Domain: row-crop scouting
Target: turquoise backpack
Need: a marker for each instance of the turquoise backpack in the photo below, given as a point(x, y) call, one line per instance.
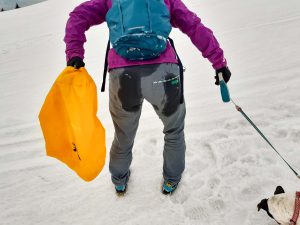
point(138, 29)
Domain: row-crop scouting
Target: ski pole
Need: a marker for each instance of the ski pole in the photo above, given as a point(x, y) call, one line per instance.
point(226, 98)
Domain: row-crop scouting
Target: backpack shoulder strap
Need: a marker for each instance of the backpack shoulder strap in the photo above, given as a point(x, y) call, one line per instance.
point(105, 67)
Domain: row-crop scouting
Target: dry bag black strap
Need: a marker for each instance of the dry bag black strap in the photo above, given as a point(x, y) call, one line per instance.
point(181, 70)
point(105, 67)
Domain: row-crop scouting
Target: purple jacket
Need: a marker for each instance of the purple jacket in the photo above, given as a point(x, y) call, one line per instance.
point(93, 12)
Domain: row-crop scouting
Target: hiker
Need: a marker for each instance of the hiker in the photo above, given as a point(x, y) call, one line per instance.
point(152, 72)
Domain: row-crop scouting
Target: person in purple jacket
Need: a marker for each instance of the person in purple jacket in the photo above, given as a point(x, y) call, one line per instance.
point(156, 80)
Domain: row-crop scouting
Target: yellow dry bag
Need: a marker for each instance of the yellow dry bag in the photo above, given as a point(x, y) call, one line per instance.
point(72, 131)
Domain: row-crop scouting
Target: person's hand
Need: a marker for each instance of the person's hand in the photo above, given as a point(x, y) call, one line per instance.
point(76, 62)
point(225, 73)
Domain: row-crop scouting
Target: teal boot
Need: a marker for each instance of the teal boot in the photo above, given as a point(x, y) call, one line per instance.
point(121, 189)
point(168, 188)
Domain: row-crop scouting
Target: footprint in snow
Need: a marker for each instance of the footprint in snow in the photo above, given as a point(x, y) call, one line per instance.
point(180, 196)
point(210, 152)
point(234, 125)
point(250, 160)
point(295, 136)
point(213, 183)
point(197, 213)
point(281, 133)
point(229, 160)
point(216, 204)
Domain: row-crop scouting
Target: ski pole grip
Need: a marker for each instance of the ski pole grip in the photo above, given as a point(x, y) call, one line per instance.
point(224, 89)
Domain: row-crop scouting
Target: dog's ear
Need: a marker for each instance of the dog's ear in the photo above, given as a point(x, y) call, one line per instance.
point(263, 205)
point(279, 190)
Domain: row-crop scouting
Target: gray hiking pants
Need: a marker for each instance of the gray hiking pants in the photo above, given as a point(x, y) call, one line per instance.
point(159, 84)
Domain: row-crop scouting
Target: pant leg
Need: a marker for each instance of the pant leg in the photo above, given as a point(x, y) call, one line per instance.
point(125, 103)
point(162, 90)
point(174, 147)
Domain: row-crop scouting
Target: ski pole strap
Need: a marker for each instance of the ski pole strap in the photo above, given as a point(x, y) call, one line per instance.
point(263, 136)
point(181, 70)
point(105, 67)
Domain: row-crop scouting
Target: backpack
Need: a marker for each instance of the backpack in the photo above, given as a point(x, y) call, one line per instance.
point(138, 29)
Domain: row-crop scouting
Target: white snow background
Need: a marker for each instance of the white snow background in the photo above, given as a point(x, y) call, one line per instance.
point(229, 167)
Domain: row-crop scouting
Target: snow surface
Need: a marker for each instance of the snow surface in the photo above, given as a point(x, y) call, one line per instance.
point(11, 4)
point(229, 168)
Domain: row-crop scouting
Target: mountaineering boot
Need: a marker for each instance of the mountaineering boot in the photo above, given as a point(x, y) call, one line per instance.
point(121, 189)
point(168, 188)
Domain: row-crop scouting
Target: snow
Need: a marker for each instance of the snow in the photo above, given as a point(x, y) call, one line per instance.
point(229, 168)
point(11, 4)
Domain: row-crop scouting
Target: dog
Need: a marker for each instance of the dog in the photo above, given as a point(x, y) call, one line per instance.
point(280, 207)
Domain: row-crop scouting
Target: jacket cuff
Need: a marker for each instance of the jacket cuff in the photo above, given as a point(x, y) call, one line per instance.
point(220, 65)
point(72, 55)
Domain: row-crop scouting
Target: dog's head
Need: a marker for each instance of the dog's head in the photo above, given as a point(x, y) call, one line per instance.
point(264, 204)
point(280, 207)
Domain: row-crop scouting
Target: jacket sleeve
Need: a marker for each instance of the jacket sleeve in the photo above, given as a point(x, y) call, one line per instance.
point(202, 37)
point(84, 16)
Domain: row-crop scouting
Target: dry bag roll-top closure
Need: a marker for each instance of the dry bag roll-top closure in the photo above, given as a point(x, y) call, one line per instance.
point(139, 29)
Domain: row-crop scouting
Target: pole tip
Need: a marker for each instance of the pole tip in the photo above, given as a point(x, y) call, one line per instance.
point(298, 176)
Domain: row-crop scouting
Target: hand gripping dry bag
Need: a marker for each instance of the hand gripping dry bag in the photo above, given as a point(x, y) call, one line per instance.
point(72, 131)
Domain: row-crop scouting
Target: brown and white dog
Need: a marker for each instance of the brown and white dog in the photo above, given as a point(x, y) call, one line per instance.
point(280, 207)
